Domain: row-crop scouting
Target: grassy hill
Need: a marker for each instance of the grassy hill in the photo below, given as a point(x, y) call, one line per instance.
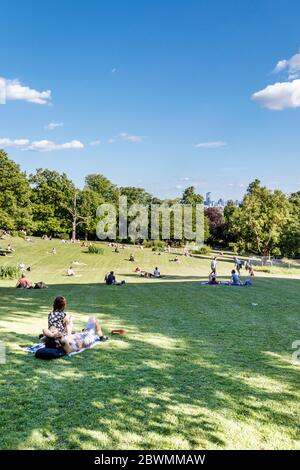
point(200, 367)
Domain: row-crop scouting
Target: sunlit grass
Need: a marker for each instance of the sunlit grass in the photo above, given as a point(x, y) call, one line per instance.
point(200, 366)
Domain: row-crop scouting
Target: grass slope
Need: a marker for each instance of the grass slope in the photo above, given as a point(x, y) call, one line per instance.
point(200, 367)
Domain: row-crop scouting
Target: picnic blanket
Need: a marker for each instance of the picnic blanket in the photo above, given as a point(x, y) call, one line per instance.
point(227, 283)
point(36, 347)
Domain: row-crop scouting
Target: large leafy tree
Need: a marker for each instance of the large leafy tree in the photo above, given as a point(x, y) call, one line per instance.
point(262, 218)
point(136, 195)
point(88, 202)
point(215, 218)
point(231, 232)
point(15, 210)
point(52, 193)
point(290, 241)
point(103, 187)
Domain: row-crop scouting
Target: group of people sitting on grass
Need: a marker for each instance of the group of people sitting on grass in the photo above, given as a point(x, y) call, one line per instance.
point(234, 279)
point(61, 334)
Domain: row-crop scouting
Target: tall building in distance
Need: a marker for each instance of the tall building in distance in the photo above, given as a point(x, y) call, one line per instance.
point(221, 203)
point(207, 201)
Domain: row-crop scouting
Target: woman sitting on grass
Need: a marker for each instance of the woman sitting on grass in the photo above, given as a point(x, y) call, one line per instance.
point(58, 319)
point(23, 282)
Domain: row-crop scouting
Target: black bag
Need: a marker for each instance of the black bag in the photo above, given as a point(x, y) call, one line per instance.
point(49, 353)
point(40, 285)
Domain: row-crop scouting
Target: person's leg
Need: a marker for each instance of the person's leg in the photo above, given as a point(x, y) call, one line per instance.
point(99, 331)
point(68, 321)
point(91, 324)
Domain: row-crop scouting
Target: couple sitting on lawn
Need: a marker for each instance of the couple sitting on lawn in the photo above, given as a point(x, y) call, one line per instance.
point(234, 280)
point(60, 332)
point(156, 273)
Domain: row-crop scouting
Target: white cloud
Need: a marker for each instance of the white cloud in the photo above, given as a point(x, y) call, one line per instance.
point(113, 70)
point(291, 66)
point(178, 187)
point(94, 143)
point(53, 125)
point(131, 138)
point(13, 90)
point(17, 143)
point(110, 141)
point(285, 94)
point(279, 96)
point(211, 145)
point(40, 145)
point(49, 146)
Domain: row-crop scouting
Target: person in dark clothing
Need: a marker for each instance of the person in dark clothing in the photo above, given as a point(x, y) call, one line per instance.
point(110, 280)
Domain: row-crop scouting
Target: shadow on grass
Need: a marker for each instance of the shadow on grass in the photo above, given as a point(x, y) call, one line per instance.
point(195, 360)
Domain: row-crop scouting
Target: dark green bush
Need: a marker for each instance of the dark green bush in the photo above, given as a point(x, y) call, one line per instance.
point(95, 250)
point(9, 272)
point(203, 250)
point(154, 244)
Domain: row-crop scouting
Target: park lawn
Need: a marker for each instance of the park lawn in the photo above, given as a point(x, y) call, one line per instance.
point(200, 367)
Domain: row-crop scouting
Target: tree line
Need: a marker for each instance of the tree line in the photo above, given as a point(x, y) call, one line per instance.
point(47, 202)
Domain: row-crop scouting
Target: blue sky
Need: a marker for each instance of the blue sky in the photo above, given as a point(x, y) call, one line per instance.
point(165, 86)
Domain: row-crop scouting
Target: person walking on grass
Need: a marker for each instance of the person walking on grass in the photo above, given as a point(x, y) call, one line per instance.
point(238, 264)
point(213, 266)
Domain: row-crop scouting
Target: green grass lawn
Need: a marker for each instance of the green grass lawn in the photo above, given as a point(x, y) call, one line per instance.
point(200, 366)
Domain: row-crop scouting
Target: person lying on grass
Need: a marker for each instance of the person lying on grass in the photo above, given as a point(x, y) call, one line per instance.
point(156, 274)
point(146, 274)
point(73, 342)
point(24, 282)
point(111, 280)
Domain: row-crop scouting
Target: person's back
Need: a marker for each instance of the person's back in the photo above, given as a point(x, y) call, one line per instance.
point(156, 272)
point(56, 318)
point(213, 280)
point(111, 278)
point(23, 282)
point(235, 278)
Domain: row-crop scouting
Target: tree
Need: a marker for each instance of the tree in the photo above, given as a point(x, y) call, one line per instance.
point(51, 194)
point(290, 240)
point(88, 202)
point(103, 187)
point(189, 196)
point(15, 210)
point(76, 217)
point(215, 219)
point(231, 230)
point(136, 195)
point(262, 218)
